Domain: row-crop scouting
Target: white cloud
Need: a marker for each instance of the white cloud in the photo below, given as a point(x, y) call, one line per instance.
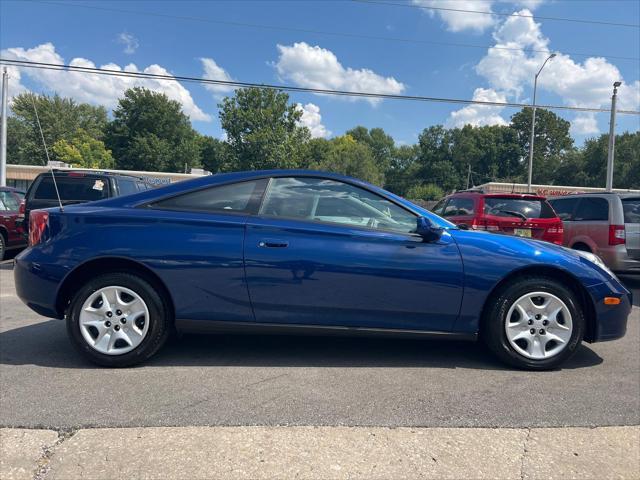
point(93, 88)
point(479, 115)
point(130, 42)
point(459, 21)
point(312, 119)
point(586, 84)
point(213, 71)
point(316, 67)
point(584, 124)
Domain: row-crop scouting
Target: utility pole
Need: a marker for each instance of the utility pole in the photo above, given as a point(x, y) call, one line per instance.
point(612, 137)
point(3, 130)
point(533, 122)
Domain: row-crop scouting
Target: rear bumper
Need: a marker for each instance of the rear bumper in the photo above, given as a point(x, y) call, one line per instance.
point(37, 284)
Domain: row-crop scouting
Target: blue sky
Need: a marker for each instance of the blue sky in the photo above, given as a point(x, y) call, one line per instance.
point(44, 31)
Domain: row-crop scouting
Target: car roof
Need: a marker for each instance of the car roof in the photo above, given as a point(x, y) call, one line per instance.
point(11, 189)
point(89, 172)
point(479, 193)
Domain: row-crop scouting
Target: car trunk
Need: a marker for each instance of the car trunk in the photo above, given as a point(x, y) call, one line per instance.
point(631, 208)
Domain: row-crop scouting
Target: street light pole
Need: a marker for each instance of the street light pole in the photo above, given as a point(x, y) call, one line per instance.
point(533, 122)
point(3, 130)
point(612, 137)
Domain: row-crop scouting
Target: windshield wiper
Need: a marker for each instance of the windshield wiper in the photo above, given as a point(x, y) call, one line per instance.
point(515, 214)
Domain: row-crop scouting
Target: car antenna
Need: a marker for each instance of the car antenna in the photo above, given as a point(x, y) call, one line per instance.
point(46, 151)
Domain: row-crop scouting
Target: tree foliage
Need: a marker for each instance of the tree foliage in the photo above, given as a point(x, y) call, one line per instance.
point(150, 132)
point(262, 130)
point(60, 118)
point(83, 150)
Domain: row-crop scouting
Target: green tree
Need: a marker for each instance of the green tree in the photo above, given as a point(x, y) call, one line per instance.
point(403, 170)
point(150, 132)
point(551, 142)
point(349, 157)
point(426, 192)
point(83, 151)
point(215, 154)
point(262, 129)
point(60, 119)
point(626, 165)
point(380, 143)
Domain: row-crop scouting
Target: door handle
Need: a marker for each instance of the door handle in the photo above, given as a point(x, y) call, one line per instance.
point(273, 244)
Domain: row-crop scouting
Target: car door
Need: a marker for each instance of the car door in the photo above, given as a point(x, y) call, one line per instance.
point(631, 211)
point(328, 253)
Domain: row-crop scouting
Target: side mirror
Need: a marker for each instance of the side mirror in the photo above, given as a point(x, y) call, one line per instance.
point(427, 230)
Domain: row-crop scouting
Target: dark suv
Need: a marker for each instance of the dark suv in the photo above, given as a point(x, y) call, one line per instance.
point(77, 186)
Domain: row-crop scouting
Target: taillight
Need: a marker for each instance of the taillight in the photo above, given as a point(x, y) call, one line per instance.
point(38, 222)
point(554, 234)
point(21, 209)
point(481, 224)
point(616, 235)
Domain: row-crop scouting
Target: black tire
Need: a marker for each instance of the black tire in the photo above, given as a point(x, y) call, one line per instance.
point(3, 247)
point(160, 321)
point(493, 324)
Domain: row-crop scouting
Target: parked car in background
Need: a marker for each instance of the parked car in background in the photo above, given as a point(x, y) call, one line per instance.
point(11, 236)
point(295, 251)
point(77, 186)
point(606, 224)
point(523, 215)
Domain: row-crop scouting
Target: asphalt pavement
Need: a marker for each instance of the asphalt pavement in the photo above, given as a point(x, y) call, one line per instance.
point(225, 380)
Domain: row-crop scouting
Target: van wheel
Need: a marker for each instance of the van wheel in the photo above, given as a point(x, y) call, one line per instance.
point(534, 323)
point(118, 320)
point(582, 247)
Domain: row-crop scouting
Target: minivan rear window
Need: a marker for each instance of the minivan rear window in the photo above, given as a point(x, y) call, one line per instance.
point(518, 207)
point(631, 207)
point(85, 189)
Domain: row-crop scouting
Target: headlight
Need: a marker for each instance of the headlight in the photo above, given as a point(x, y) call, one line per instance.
point(595, 259)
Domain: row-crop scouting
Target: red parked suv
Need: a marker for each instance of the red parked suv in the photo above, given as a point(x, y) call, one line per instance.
point(525, 215)
point(11, 236)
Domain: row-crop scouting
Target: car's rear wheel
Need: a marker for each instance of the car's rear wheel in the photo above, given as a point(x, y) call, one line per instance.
point(535, 323)
point(2, 246)
point(118, 320)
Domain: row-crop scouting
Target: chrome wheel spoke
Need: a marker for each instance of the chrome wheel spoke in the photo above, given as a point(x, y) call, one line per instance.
point(103, 326)
point(535, 348)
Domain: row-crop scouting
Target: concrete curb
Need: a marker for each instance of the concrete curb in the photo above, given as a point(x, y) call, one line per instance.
point(320, 452)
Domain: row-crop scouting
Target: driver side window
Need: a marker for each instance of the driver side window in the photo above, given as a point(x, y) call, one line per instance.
point(330, 201)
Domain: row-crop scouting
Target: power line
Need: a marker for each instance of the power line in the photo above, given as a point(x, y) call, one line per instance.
point(482, 12)
point(287, 88)
point(324, 32)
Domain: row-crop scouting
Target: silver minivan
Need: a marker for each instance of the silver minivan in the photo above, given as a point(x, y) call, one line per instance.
point(607, 224)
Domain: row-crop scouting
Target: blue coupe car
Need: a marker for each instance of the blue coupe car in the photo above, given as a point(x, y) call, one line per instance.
point(302, 251)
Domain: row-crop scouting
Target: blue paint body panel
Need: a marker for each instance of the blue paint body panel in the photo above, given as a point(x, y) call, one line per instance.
point(214, 268)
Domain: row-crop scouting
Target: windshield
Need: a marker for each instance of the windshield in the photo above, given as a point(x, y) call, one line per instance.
point(518, 207)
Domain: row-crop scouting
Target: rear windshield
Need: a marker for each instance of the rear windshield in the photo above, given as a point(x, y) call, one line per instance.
point(631, 208)
point(85, 189)
point(518, 207)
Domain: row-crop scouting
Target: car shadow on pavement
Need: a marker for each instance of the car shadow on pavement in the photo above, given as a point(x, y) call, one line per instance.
point(46, 344)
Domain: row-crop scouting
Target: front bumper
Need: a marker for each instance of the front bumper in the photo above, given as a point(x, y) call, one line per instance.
point(610, 321)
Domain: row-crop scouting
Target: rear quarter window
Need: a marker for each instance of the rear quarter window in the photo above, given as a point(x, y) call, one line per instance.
point(592, 209)
point(631, 207)
point(86, 189)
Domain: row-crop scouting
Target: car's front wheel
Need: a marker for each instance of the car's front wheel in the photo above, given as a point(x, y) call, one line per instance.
point(118, 320)
point(535, 323)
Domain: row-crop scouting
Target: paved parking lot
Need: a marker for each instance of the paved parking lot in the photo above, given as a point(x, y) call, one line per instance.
point(251, 380)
